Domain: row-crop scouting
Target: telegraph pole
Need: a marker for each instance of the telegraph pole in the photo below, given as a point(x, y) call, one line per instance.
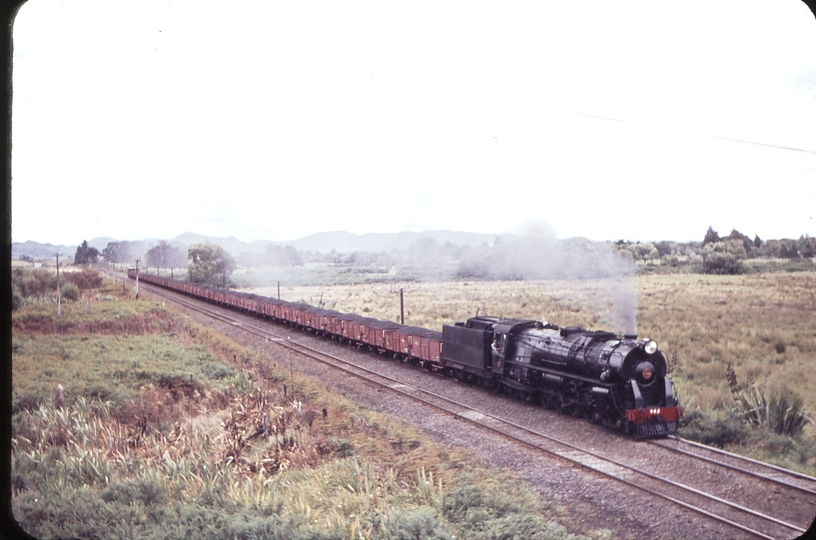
point(402, 310)
point(137, 279)
point(59, 293)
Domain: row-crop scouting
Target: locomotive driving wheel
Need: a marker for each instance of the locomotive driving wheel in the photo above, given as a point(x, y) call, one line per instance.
point(549, 398)
point(589, 411)
point(573, 408)
point(557, 402)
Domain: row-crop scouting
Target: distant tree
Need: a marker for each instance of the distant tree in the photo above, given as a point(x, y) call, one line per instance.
point(711, 236)
point(771, 249)
point(807, 246)
point(277, 255)
point(788, 249)
point(746, 242)
point(114, 252)
point(128, 252)
point(85, 254)
point(638, 251)
point(724, 257)
point(757, 241)
point(664, 248)
point(209, 264)
point(164, 255)
point(646, 251)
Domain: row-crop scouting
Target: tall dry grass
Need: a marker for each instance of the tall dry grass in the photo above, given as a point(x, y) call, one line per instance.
point(761, 323)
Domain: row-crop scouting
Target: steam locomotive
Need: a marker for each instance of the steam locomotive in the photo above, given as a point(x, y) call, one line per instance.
point(620, 382)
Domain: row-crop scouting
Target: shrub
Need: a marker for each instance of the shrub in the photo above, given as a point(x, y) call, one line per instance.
point(724, 257)
point(779, 410)
point(341, 447)
point(32, 283)
point(713, 429)
point(69, 291)
point(87, 279)
point(418, 524)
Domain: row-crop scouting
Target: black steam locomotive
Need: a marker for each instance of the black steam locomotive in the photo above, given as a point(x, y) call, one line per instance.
point(621, 383)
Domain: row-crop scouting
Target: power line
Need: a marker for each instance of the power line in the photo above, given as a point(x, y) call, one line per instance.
point(694, 133)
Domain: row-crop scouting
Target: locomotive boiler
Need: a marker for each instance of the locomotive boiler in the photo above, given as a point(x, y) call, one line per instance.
point(618, 381)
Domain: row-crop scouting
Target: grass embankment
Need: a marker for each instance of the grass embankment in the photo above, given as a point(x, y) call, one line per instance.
point(761, 324)
point(171, 430)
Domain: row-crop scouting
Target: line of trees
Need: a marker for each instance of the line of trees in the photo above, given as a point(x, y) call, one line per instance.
point(726, 255)
point(213, 265)
point(164, 255)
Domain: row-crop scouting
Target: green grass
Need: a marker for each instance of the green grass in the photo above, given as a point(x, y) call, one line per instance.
point(112, 368)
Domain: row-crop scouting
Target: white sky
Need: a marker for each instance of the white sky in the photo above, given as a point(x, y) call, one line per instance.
point(274, 120)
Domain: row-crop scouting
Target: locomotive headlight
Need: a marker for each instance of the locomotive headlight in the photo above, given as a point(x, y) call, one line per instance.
point(650, 346)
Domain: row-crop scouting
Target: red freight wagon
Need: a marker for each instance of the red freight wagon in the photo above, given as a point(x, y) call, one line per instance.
point(315, 318)
point(341, 325)
point(374, 333)
point(409, 340)
point(296, 313)
point(430, 347)
point(359, 326)
point(327, 321)
point(347, 325)
point(321, 321)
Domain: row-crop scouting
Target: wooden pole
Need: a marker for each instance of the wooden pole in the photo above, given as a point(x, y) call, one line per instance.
point(137, 279)
point(292, 373)
point(402, 310)
point(59, 292)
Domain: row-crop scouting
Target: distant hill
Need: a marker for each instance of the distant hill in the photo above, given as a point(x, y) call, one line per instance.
point(344, 242)
point(38, 251)
point(339, 241)
point(99, 243)
point(229, 243)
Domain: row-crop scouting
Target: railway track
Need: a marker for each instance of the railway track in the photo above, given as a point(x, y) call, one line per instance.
point(753, 522)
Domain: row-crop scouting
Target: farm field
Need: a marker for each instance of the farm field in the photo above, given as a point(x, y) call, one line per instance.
point(762, 324)
point(160, 434)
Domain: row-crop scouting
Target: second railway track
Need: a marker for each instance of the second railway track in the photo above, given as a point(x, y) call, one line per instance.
point(778, 518)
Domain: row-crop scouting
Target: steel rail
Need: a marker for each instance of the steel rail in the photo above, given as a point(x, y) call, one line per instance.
point(299, 347)
point(744, 458)
point(734, 467)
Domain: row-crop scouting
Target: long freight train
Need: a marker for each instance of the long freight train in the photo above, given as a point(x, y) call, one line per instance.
point(597, 375)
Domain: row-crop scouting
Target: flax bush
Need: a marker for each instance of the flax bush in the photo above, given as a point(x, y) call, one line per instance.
point(780, 411)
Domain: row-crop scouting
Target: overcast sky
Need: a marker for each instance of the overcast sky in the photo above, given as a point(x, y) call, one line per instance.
point(641, 120)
